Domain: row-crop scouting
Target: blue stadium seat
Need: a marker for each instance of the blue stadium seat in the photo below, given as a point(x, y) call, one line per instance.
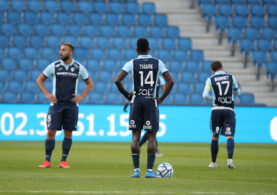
point(257, 22)
point(72, 40)
point(185, 43)
point(140, 31)
point(222, 23)
point(113, 98)
point(180, 99)
point(241, 10)
point(253, 1)
point(268, 2)
point(2, 18)
point(221, 1)
point(180, 55)
point(48, 53)
point(263, 45)
point(103, 43)
point(26, 64)
point(52, 41)
point(113, 89)
point(34, 74)
point(144, 20)
point(246, 46)
point(86, 42)
point(74, 30)
point(168, 43)
point(119, 43)
point(132, 8)
point(202, 76)
point(176, 66)
point(97, 54)
point(27, 98)
point(2, 87)
point(4, 5)
point(272, 22)
point(20, 41)
point(128, 19)
point(225, 10)
point(237, 1)
point(4, 41)
point(112, 19)
point(259, 58)
point(176, 76)
point(52, 6)
point(80, 53)
point(247, 99)
point(114, 54)
point(85, 7)
point(31, 18)
point(42, 30)
point(18, 5)
point(68, 6)
point(14, 86)
point(80, 19)
point(96, 19)
point(42, 64)
point(47, 18)
point(4, 75)
point(257, 10)
point(156, 32)
point(58, 30)
point(184, 88)
point(8, 29)
point(124, 31)
point(101, 87)
point(110, 65)
point(42, 99)
point(148, 8)
point(8, 64)
point(14, 53)
point(133, 43)
point(63, 18)
point(154, 43)
point(273, 56)
point(160, 20)
point(251, 33)
point(192, 66)
point(100, 7)
point(196, 99)
point(35, 6)
point(20, 75)
point(107, 31)
point(172, 31)
point(198, 88)
point(91, 30)
point(96, 98)
point(197, 55)
point(206, 66)
point(188, 77)
point(30, 53)
point(93, 65)
point(268, 33)
point(164, 55)
point(239, 22)
point(2, 53)
point(130, 54)
point(271, 70)
point(116, 7)
point(234, 34)
point(275, 44)
point(272, 10)
point(25, 29)
point(10, 97)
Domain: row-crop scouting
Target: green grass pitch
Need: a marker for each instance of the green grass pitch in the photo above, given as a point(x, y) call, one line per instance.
point(105, 168)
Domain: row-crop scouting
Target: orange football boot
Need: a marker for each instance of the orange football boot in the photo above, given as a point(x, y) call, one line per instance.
point(45, 164)
point(63, 164)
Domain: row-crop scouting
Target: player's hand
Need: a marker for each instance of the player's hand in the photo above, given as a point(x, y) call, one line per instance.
point(130, 96)
point(158, 100)
point(51, 98)
point(77, 98)
point(126, 106)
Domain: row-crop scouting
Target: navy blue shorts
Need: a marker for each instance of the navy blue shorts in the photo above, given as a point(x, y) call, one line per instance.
point(223, 122)
point(144, 114)
point(62, 117)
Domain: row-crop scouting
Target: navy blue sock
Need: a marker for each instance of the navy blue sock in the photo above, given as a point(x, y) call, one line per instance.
point(66, 147)
point(150, 161)
point(135, 158)
point(143, 140)
point(49, 147)
point(230, 147)
point(214, 149)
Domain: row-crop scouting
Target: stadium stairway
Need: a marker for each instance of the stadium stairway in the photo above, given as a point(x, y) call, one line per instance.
point(192, 25)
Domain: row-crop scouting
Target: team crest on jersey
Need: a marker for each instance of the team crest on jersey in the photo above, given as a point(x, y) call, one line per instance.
point(147, 125)
point(72, 69)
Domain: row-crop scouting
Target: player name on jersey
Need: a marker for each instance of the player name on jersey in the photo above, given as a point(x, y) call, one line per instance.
point(221, 78)
point(146, 66)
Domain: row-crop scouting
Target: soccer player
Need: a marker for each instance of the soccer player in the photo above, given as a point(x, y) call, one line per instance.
point(63, 111)
point(144, 114)
point(223, 120)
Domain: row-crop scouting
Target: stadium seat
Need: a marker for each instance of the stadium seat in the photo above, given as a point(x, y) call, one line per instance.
point(251, 33)
point(268, 33)
point(184, 88)
point(8, 64)
point(172, 32)
point(4, 5)
point(25, 29)
point(68, 6)
point(112, 19)
point(272, 10)
point(257, 22)
point(85, 7)
point(18, 5)
point(202, 77)
point(14, 53)
point(34, 74)
point(196, 99)
point(241, 10)
point(198, 88)
point(225, 10)
point(101, 87)
point(97, 54)
point(206, 66)
point(96, 19)
point(263, 45)
point(208, 11)
point(26, 64)
point(130, 54)
point(268, 2)
point(176, 66)
point(113, 89)
point(20, 41)
point(35, 6)
point(80, 19)
point(80, 53)
point(47, 18)
point(259, 59)
point(58, 30)
point(188, 77)
point(8, 29)
point(72, 40)
point(52, 41)
point(107, 31)
point(52, 6)
point(31, 18)
point(192, 66)
point(27, 98)
point(42, 30)
point(2, 18)
point(4, 75)
point(271, 73)
point(30, 53)
point(176, 76)
point(156, 32)
point(234, 34)
point(128, 19)
point(185, 43)
point(144, 20)
point(96, 98)
point(119, 43)
point(180, 55)
point(2, 87)
point(14, 86)
point(114, 54)
point(48, 53)
point(247, 99)
point(237, 1)
point(63, 18)
point(133, 43)
point(160, 20)
point(110, 65)
point(168, 43)
point(164, 55)
point(257, 10)
point(148, 8)
point(132, 8)
point(140, 31)
point(116, 7)
point(20, 75)
point(197, 55)
point(91, 30)
point(221, 1)
point(253, 1)
point(113, 98)
point(100, 7)
point(154, 43)
point(93, 65)
point(42, 99)
point(124, 31)
point(221, 23)
point(239, 22)
point(180, 99)
point(74, 30)
point(246, 46)
point(42, 64)
point(272, 22)
point(103, 42)
point(4, 41)
point(273, 56)
point(10, 97)
point(86, 42)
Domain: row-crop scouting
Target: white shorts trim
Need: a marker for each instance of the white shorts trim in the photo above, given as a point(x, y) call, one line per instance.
point(222, 108)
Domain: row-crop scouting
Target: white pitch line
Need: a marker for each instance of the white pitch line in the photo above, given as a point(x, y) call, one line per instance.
point(84, 192)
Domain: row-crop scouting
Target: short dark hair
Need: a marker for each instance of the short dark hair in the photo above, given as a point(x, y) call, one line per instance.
point(216, 65)
point(70, 46)
point(142, 45)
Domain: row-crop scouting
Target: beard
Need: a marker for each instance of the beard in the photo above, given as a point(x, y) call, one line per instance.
point(64, 58)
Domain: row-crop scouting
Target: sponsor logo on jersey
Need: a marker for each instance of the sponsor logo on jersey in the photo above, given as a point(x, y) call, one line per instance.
point(228, 131)
point(147, 125)
point(225, 100)
point(132, 124)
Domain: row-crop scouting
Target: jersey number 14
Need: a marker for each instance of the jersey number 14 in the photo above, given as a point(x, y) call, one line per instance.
point(148, 79)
